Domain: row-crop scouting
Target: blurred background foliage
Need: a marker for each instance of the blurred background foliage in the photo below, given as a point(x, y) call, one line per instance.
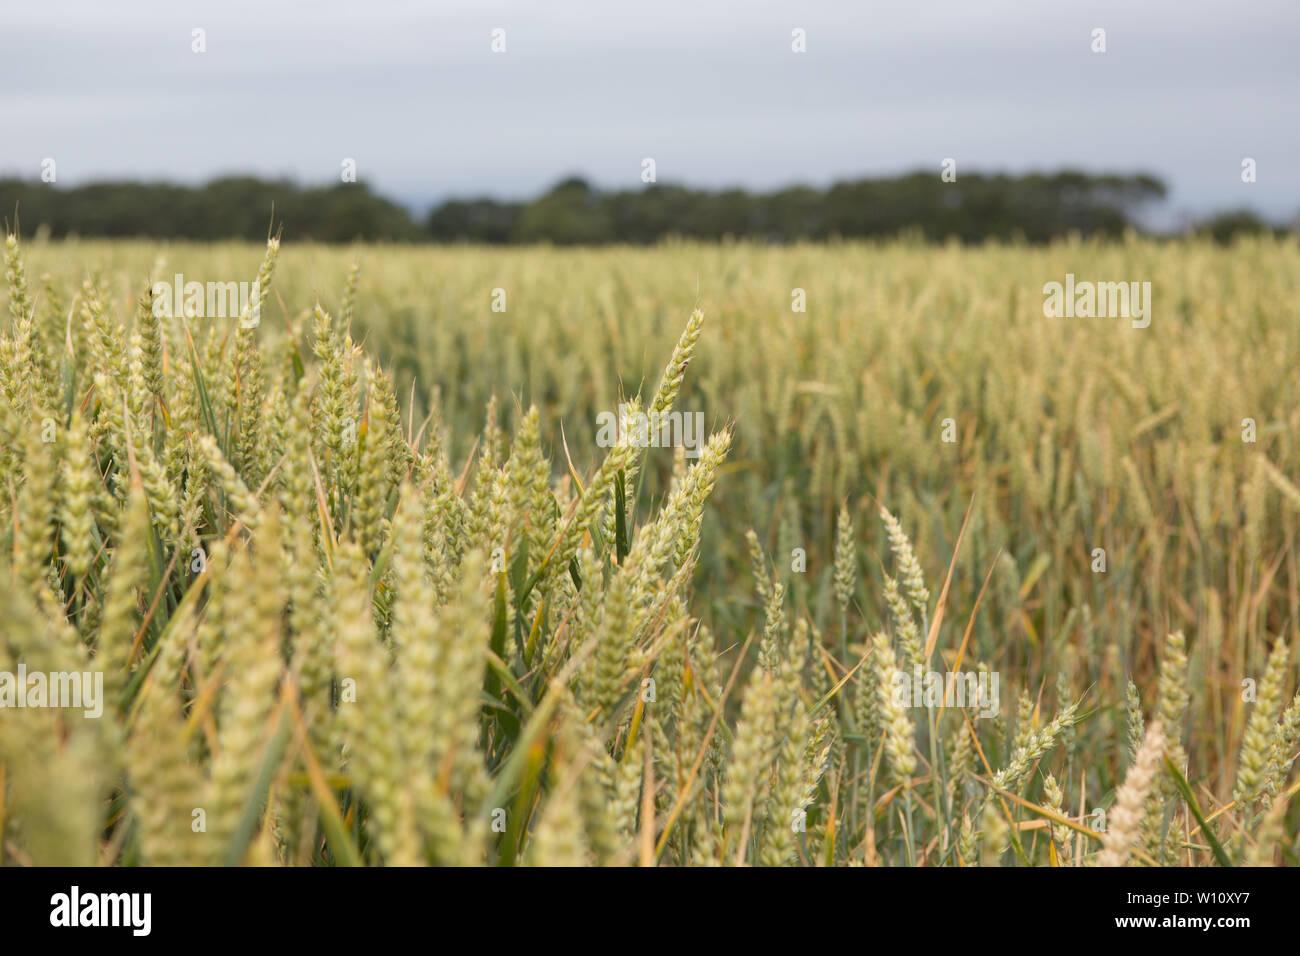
point(1034, 207)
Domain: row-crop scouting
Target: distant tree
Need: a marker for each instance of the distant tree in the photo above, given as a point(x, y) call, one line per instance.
point(571, 213)
point(1227, 226)
point(236, 207)
point(1035, 207)
point(480, 220)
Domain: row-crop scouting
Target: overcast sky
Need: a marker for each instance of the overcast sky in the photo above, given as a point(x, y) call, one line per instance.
point(710, 90)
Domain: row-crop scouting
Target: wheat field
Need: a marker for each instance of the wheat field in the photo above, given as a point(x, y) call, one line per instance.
point(946, 581)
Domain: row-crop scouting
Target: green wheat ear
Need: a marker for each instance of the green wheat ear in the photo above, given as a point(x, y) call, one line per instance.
point(1257, 744)
point(845, 560)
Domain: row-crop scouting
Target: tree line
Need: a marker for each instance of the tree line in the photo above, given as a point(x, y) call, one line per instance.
point(1034, 207)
